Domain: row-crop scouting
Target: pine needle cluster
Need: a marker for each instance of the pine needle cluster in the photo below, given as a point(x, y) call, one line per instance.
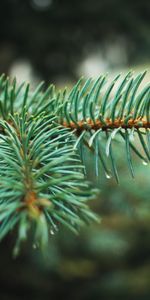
point(42, 137)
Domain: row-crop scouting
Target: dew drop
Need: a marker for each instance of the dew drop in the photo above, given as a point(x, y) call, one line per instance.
point(34, 246)
point(52, 232)
point(108, 176)
point(145, 163)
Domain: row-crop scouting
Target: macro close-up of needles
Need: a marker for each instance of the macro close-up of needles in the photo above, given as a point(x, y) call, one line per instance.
point(75, 150)
point(42, 139)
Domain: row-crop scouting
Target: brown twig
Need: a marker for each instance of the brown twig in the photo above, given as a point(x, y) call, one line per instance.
point(108, 124)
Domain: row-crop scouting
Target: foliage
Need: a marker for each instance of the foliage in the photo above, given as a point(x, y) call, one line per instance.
point(42, 140)
point(98, 115)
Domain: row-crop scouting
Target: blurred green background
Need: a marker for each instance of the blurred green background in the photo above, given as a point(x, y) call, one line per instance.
point(58, 41)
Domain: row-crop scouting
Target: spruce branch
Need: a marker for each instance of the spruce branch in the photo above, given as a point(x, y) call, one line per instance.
point(41, 179)
point(42, 135)
point(100, 112)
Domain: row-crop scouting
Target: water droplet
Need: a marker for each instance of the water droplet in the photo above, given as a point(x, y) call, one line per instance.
point(34, 246)
point(52, 232)
point(108, 176)
point(145, 163)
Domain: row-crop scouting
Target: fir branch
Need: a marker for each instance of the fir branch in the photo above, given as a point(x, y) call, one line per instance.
point(41, 179)
point(95, 112)
point(42, 135)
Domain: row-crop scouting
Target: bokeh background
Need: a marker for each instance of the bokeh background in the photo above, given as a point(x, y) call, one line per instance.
point(58, 41)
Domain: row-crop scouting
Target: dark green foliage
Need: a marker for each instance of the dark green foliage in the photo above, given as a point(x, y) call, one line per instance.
point(42, 181)
point(98, 114)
